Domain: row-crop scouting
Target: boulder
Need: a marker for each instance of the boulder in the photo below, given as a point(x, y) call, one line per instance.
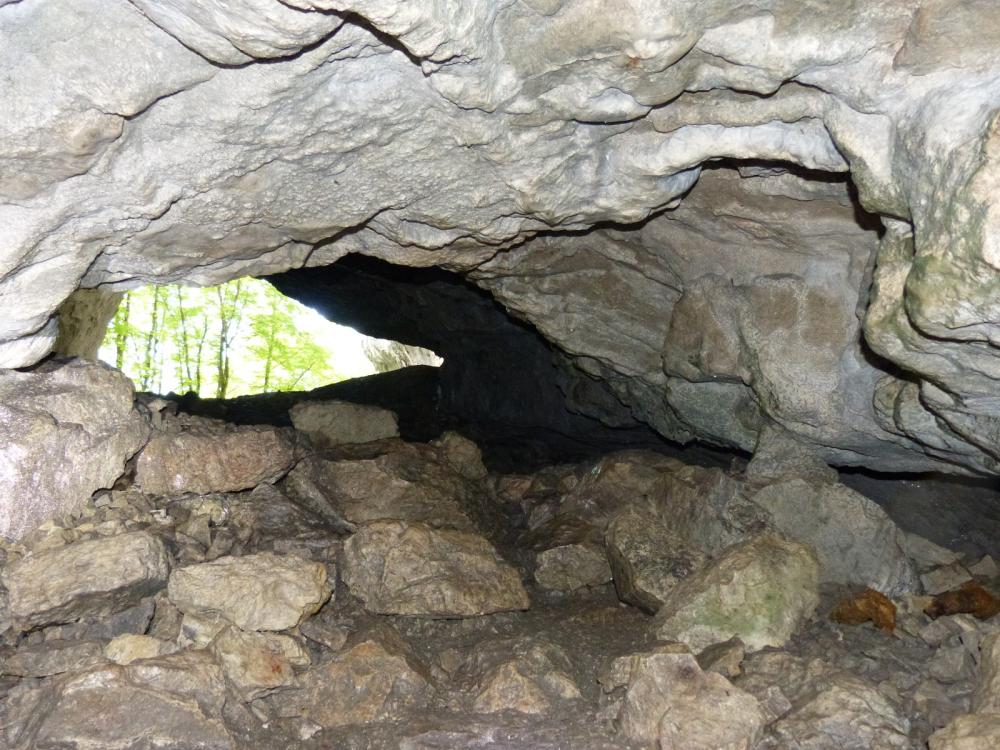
point(67, 428)
point(648, 558)
point(391, 480)
point(126, 649)
point(372, 680)
point(257, 664)
point(968, 732)
point(855, 542)
point(571, 567)
point(85, 579)
point(527, 675)
point(843, 712)
point(413, 569)
point(329, 423)
point(171, 702)
point(669, 703)
point(760, 591)
point(264, 591)
point(198, 455)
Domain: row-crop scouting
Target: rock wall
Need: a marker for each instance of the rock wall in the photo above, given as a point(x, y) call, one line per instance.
point(204, 141)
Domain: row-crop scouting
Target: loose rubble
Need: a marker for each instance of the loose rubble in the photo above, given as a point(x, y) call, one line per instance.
point(396, 595)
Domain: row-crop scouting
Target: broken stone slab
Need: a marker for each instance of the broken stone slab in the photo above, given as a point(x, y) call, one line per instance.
point(126, 649)
point(926, 554)
point(173, 701)
point(843, 712)
point(101, 628)
point(329, 423)
point(85, 579)
point(855, 542)
point(945, 578)
point(986, 697)
point(381, 481)
point(571, 567)
point(985, 567)
point(760, 591)
point(199, 455)
point(647, 558)
point(968, 732)
point(255, 592)
point(51, 658)
point(724, 658)
point(412, 569)
point(258, 664)
point(67, 428)
point(670, 703)
point(374, 679)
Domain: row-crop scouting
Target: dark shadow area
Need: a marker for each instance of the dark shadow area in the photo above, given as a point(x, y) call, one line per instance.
point(501, 384)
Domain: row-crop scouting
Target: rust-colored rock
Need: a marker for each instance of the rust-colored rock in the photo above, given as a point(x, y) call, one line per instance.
point(969, 598)
point(868, 606)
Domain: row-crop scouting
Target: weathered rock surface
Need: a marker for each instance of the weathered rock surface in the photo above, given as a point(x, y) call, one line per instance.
point(391, 480)
point(413, 569)
point(968, 732)
point(648, 558)
point(192, 454)
point(329, 423)
point(986, 698)
point(128, 648)
point(571, 567)
point(52, 657)
point(256, 664)
point(372, 680)
point(66, 430)
point(262, 591)
point(670, 703)
point(175, 701)
point(760, 591)
point(855, 542)
point(88, 578)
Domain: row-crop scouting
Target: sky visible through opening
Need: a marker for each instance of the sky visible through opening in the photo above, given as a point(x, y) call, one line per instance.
point(245, 334)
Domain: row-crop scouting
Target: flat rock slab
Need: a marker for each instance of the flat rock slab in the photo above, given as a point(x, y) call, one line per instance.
point(194, 454)
point(329, 423)
point(571, 567)
point(52, 657)
point(85, 579)
point(412, 569)
point(760, 591)
point(254, 592)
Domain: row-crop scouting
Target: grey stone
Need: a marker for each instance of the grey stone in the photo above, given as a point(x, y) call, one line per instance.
point(329, 423)
point(760, 591)
point(413, 569)
point(986, 697)
point(855, 541)
point(52, 657)
point(67, 428)
point(571, 567)
point(89, 578)
point(968, 732)
point(126, 649)
point(669, 702)
point(255, 592)
point(193, 454)
point(258, 664)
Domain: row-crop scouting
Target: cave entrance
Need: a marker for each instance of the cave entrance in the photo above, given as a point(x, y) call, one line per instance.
point(240, 338)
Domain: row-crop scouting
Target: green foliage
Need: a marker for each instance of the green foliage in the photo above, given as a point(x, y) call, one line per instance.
point(236, 338)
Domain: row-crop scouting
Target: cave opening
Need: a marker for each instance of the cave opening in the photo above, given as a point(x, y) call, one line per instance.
point(696, 445)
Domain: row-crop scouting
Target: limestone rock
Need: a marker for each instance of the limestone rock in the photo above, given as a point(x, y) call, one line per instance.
point(724, 658)
point(986, 698)
point(193, 454)
point(843, 711)
point(760, 591)
point(968, 732)
point(174, 701)
point(51, 658)
point(126, 649)
point(372, 680)
point(256, 664)
point(945, 578)
point(648, 558)
point(855, 541)
point(255, 592)
point(527, 675)
point(571, 567)
point(83, 322)
point(670, 703)
point(89, 578)
point(396, 480)
point(66, 430)
point(329, 423)
point(413, 569)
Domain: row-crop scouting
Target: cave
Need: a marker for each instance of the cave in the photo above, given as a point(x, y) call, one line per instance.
point(713, 457)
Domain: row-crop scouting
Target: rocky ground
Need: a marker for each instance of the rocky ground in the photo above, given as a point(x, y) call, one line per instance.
point(262, 587)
